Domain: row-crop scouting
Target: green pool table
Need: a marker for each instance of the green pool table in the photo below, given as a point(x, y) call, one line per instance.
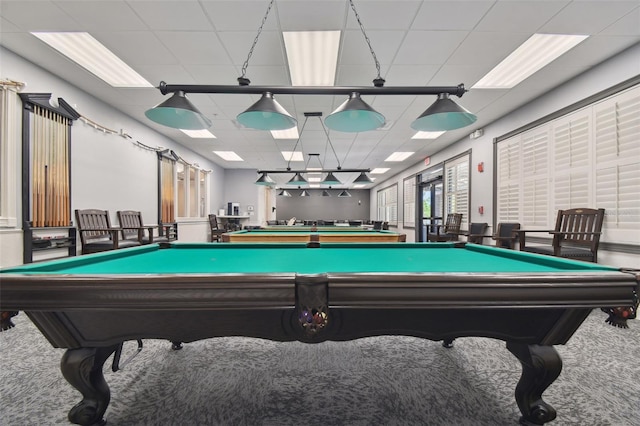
point(292, 235)
point(311, 293)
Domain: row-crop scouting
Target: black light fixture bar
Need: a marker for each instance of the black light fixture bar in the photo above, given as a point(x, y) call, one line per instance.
point(315, 171)
point(458, 90)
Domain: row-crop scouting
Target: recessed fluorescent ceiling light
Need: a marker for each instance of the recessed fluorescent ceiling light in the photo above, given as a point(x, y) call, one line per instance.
point(379, 171)
point(291, 133)
point(292, 155)
point(399, 156)
point(359, 185)
point(427, 135)
point(534, 54)
point(314, 185)
point(199, 134)
point(90, 54)
point(228, 155)
point(314, 179)
point(312, 56)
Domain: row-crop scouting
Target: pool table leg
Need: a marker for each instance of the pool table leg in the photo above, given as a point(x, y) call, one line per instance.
point(541, 365)
point(82, 368)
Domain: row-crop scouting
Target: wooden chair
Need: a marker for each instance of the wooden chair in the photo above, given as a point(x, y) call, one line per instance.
point(134, 229)
point(476, 232)
point(506, 235)
point(216, 231)
point(575, 236)
point(449, 231)
point(97, 234)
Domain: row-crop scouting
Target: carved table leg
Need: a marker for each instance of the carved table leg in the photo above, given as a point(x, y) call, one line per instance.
point(541, 365)
point(82, 368)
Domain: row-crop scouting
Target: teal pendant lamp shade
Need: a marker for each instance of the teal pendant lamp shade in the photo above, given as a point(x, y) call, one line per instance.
point(354, 115)
point(331, 179)
point(443, 114)
point(298, 179)
point(178, 112)
point(363, 178)
point(267, 114)
point(265, 180)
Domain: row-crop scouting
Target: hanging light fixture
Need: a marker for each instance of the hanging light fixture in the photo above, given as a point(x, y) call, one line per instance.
point(330, 179)
point(326, 193)
point(443, 114)
point(284, 193)
point(354, 115)
point(265, 180)
point(178, 112)
point(363, 178)
point(305, 193)
point(267, 114)
point(344, 193)
point(297, 179)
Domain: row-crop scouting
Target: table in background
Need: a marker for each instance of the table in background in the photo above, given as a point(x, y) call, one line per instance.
point(285, 292)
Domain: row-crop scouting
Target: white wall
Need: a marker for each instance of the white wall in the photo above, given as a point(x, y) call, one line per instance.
point(614, 71)
point(108, 171)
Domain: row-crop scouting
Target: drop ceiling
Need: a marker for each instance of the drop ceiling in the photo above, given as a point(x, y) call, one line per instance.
point(417, 43)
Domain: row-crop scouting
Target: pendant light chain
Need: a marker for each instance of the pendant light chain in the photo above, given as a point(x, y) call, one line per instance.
point(378, 81)
point(296, 145)
point(330, 144)
point(243, 80)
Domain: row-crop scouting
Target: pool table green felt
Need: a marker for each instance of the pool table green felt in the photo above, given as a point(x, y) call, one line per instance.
point(328, 258)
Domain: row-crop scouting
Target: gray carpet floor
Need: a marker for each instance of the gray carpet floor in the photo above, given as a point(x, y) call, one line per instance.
point(388, 380)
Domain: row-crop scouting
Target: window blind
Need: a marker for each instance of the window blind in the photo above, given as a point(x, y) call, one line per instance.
point(588, 158)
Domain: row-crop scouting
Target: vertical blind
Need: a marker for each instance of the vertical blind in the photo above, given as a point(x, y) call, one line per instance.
point(588, 158)
point(456, 188)
point(388, 204)
point(409, 202)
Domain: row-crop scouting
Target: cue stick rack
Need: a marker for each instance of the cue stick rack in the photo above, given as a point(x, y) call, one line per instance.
point(46, 177)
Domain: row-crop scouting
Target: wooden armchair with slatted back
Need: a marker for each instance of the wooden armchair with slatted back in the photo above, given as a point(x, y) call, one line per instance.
point(216, 231)
point(133, 228)
point(575, 236)
point(97, 234)
point(448, 231)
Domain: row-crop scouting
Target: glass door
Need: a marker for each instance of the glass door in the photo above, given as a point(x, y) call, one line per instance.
point(430, 193)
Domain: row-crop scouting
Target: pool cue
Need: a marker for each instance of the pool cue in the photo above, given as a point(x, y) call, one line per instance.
point(58, 172)
point(67, 174)
point(38, 169)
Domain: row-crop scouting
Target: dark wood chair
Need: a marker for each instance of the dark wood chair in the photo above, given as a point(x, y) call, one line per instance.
point(506, 235)
point(97, 234)
point(575, 236)
point(476, 232)
point(448, 231)
point(134, 229)
point(216, 231)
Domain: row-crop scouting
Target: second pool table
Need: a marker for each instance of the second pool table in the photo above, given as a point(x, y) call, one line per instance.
point(284, 292)
point(293, 235)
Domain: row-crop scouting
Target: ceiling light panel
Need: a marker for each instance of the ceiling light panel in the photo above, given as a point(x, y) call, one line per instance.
point(399, 156)
point(427, 135)
point(198, 134)
point(90, 54)
point(534, 54)
point(228, 155)
point(291, 133)
point(379, 170)
point(292, 155)
point(312, 56)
